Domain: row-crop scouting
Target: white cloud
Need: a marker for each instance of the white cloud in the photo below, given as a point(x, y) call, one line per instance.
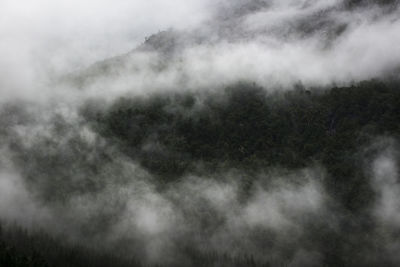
point(42, 39)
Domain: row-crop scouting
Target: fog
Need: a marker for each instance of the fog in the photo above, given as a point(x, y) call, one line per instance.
point(45, 38)
point(274, 43)
point(126, 213)
point(64, 172)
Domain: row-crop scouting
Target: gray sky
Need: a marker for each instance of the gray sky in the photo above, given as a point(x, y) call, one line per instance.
point(43, 38)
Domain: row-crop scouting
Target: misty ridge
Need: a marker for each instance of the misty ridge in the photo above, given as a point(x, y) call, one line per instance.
point(240, 133)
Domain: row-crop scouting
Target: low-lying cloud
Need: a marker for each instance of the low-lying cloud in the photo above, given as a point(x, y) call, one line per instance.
point(77, 184)
point(274, 43)
point(60, 173)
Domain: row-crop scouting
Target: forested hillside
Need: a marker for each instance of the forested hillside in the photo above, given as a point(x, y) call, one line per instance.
point(242, 127)
point(248, 128)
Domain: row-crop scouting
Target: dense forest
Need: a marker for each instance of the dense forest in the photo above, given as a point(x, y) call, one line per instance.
point(248, 128)
point(244, 127)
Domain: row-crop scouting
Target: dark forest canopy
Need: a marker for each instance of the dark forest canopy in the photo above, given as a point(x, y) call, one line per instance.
point(249, 128)
point(243, 127)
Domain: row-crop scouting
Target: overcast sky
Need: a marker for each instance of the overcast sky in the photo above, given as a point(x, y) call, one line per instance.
point(68, 34)
point(43, 38)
